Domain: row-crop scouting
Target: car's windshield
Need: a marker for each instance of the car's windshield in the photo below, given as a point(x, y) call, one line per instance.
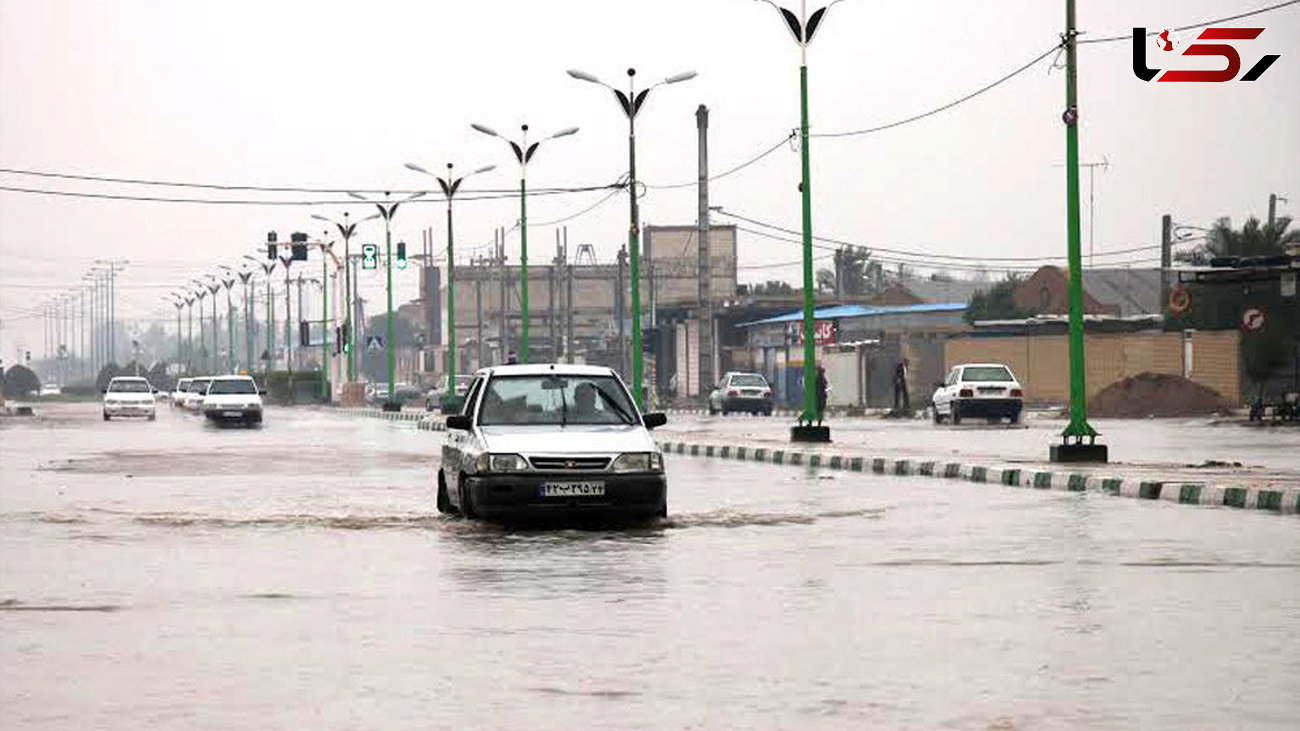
point(198, 385)
point(182, 384)
point(979, 374)
point(558, 399)
point(233, 385)
point(748, 380)
point(129, 386)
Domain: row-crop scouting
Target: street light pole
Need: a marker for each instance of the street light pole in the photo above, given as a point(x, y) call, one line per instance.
point(450, 185)
point(523, 153)
point(803, 27)
point(347, 230)
point(229, 282)
point(202, 294)
point(631, 103)
point(388, 209)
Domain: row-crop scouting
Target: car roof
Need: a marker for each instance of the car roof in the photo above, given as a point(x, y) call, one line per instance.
point(546, 369)
point(126, 378)
point(743, 373)
point(230, 378)
point(982, 365)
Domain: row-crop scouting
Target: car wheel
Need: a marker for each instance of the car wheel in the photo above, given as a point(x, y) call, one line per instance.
point(444, 503)
point(466, 502)
point(934, 411)
point(954, 412)
point(153, 417)
point(712, 411)
point(663, 509)
point(1015, 417)
point(106, 417)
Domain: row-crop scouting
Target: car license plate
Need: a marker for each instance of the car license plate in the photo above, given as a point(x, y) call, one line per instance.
point(235, 414)
point(571, 489)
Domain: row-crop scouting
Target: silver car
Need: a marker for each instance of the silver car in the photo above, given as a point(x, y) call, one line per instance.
point(551, 441)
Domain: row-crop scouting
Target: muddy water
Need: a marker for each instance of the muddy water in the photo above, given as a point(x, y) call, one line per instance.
point(170, 575)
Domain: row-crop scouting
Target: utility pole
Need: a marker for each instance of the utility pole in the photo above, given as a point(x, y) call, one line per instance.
point(550, 296)
point(568, 302)
point(705, 314)
point(501, 267)
point(478, 309)
point(1166, 257)
point(618, 301)
point(1072, 448)
point(1273, 198)
point(288, 320)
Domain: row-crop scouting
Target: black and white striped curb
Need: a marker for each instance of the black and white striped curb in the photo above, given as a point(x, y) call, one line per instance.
point(788, 413)
point(1283, 500)
point(1286, 500)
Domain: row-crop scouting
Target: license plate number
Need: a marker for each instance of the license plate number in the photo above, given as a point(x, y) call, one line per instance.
point(232, 413)
point(571, 489)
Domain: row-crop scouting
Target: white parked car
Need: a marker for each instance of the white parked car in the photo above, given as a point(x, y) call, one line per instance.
point(233, 398)
point(129, 396)
point(179, 392)
point(548, 441)
point(978, 390)
point(194, 394)
point(51, 389)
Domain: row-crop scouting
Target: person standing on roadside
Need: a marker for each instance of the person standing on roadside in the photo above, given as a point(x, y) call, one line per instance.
point(822, 388)
point(900, 386)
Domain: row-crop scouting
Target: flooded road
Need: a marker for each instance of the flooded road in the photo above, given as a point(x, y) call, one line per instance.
point(172, 575)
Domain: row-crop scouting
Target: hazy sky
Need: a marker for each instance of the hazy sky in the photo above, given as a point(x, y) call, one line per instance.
point(341, 94)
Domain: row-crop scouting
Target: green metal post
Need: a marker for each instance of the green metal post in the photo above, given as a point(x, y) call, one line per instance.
point(451, 298)
point(1078, 426)
point(325, 325)
point(388, 265)
point(523, 266)
point(810, 411)
point(270, 325)
point(347, 305)
point(634, 261)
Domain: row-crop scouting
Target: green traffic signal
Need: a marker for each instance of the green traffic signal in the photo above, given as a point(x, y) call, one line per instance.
point(369, 256)
point(401, 254)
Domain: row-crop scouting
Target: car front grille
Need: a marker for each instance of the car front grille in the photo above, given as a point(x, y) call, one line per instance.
point(569, 464)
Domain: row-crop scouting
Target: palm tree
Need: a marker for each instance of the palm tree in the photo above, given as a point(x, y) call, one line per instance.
point(1254, 239)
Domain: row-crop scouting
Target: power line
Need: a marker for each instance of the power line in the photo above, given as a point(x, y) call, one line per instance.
point(247, 202)
point(926, 254)
point(880, 128)
point(1239, 16)
point(730, 171)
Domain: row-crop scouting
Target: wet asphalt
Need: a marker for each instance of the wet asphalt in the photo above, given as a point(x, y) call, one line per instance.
point(171, 574)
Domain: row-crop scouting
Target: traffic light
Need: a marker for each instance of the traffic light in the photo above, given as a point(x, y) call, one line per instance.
point(401, 254)
point(270, 245)
point(344, 341)
point(27, 355)
point(304, 333)
point(369, 256)
point(338, 340)
point(298, 246)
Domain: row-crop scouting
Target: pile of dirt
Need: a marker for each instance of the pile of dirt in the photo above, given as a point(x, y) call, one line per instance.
point(1157, 395)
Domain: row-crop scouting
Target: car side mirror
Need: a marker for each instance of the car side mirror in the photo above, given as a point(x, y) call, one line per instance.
point(261, 392)
point(939, 384)
point(460, 422)
point(103, 390)
point(654, 419)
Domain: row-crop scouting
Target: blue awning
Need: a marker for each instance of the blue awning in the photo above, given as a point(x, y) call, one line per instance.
point(843, 312)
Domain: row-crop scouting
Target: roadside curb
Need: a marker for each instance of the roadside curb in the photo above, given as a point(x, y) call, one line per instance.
point(1283, 500)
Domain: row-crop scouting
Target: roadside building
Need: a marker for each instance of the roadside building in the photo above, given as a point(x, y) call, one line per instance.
point(1115, 292)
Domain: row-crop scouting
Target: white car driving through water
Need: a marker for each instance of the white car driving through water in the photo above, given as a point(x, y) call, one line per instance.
point(129, 396)
point(551, 441)
point(233, 398)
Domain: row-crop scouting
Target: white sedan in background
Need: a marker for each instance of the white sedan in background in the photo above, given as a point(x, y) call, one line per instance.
point(129, 396)
point(978, 390)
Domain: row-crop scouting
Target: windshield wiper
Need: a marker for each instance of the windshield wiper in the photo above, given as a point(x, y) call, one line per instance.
point(564, 409)
point(622, 412)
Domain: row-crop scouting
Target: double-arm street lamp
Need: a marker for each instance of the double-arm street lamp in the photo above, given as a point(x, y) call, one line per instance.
point(803, 27)
point(347, 229)
point(202, 293)
point(523, 153)
point(267, 267)
point(631, 102)
point(227, 279)
point(388, 209)
point(450, 185)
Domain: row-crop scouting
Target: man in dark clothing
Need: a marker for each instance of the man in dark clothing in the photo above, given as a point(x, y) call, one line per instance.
point(821, 393)
point(900, 386)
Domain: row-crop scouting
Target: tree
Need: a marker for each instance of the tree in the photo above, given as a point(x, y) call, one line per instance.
point(825, 281)
point(21, 381)
point(1254, 239)
point(998, 302)
point(772, 288)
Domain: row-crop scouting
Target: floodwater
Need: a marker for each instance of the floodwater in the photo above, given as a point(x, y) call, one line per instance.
point(170, 575)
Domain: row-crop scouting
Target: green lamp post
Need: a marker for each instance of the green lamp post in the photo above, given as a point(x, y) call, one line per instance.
point(523, 153)
point(450, 185)
point(803, 27)
point(347, 229)
point(631, 102)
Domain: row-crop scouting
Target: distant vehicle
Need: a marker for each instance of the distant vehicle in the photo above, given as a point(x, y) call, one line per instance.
point(51, 389)
point(194, 394)
point(741, 392)
point(433, 398)
point(376, 393)
point(233, 398)
point(178, 394)
point(129, 396)
point(547, 441)
point(978, 390)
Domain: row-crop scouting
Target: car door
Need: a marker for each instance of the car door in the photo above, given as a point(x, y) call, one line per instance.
point(453, 446)
point(943, 396)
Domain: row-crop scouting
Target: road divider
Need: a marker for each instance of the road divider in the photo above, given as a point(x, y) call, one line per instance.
point(1274, 499)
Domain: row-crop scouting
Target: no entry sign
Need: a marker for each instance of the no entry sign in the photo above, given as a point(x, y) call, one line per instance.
point(1252, 320)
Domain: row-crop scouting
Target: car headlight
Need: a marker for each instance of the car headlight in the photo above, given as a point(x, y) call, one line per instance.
point(501, 463)
point(639, 462)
